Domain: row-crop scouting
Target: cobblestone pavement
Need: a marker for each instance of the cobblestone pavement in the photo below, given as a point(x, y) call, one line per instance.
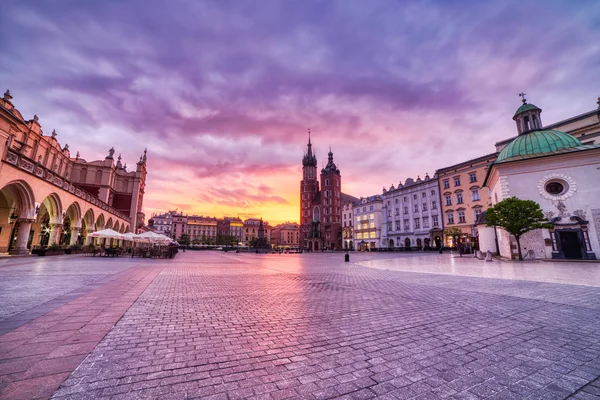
point(227, 326)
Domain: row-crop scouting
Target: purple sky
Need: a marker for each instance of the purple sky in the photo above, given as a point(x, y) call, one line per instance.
point(222, 92)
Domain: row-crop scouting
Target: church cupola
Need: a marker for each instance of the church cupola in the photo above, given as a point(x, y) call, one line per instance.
point(330, 167)
point(527, 117)
point(309, 159)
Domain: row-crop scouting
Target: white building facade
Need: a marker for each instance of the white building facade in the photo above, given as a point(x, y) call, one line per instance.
point(412, 214)
point(348, 225)
point(562, 175)
point(367, 223)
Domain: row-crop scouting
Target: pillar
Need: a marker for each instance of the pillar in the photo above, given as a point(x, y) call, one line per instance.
point(22, 237)
point(74, 235)
point(54, 234)
point(88, 238)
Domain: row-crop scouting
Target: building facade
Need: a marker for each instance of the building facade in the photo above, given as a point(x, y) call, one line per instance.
point(412, 214)
point(348, 224)
point(286, 235)
point(49, 197)
point(560, 173)
point(202, 230)
point(368, 223)
point(250, 231)
point(463, 199)
point(320, 204)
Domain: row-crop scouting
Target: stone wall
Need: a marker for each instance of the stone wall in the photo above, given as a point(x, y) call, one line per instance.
point(596, 221)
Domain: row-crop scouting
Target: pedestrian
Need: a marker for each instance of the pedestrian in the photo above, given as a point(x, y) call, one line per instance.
point(461, 249)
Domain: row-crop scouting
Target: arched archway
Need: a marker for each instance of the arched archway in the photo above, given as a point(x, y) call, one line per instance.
point(316, 246)
point(419, 243)
point(407, 243)
point(109, 223)
point(71, 225)
point(391, 244)
point(117, 226)
point(17, 213)
point(49, 221)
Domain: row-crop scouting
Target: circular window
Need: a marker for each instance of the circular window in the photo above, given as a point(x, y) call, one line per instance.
point(556, 188)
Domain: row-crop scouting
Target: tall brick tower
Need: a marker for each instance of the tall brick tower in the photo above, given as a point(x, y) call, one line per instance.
point(309, 194)
point(331, 200)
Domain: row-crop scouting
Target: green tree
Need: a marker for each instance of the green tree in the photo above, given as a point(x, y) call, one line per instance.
point(517, 217)
point(185, 239)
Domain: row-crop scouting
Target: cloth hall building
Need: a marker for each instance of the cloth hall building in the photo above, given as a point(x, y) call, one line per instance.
point(47, 196)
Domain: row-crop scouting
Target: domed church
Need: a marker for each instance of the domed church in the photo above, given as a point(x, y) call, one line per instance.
point(558, 172)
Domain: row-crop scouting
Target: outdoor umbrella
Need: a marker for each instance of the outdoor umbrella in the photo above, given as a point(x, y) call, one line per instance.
point(107, 234)
point(154, 237)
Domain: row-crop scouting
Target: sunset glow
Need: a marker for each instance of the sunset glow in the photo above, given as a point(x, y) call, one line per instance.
point(222, 93)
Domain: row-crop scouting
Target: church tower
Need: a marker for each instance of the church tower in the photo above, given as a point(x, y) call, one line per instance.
point(331, 200)
point(309, 194)
point(527, 117)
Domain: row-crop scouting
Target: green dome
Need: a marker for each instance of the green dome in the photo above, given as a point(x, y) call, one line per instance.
point(526, 107)
point(537, 143)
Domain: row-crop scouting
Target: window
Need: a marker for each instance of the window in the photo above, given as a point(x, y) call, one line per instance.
point(417, 223)
point(406, 225)
point(359, 236)
point(556, 187)
point(405, 210)
point(446, 183)
point(434, 205)
point(477, 213)
point(389, 202)
point(433, 192)
point(357, 221)
point(457, 181)
point(371, 216)
point(397, 199)
point(425, 222)
point(414, 196)
point(459, 198)
point(364, 209)
point(434, 220)
point(405, 199)
point(475, 194)
point(424, 206)
point(370, 208)
point(448, 200)
point(372, 225)
point(398, 225)
point(472, 177)
point(416, 208)
point(372, 235)
point(389, 226)
point(423, 195)
point(450, 218)
point(461, 217)
point(397, 211)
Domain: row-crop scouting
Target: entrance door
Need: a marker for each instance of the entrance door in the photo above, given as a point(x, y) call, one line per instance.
point(569, 241)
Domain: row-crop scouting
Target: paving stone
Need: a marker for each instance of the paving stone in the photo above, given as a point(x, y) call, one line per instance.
point(304, 326)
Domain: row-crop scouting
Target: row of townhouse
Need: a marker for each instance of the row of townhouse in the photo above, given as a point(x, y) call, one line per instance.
point(447, 208)
point(208, 230)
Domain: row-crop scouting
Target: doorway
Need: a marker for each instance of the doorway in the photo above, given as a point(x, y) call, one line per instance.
point(570, 244)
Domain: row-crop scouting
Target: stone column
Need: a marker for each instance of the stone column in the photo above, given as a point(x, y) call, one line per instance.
point(54, 234)
point(88, 238)
point(22, 237)
point(74, 235)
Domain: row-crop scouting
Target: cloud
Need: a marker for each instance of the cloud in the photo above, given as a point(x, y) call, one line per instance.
point(222, 93)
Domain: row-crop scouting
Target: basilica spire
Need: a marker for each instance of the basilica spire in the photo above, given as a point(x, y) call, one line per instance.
point(309, 158)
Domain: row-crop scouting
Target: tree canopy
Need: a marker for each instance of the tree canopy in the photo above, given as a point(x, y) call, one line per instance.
point(517, 217)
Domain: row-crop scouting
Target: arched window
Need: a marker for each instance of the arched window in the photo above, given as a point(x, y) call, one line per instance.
point(83, 175)
point(98, 177)
point(125, 185)
point(526, 123)
point(317, 214)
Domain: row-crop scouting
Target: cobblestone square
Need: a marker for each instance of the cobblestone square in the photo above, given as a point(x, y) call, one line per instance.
point(216, 325)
